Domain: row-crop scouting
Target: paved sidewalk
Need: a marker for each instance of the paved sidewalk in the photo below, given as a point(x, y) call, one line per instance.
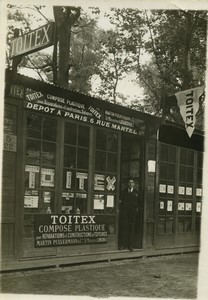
point(172, 276)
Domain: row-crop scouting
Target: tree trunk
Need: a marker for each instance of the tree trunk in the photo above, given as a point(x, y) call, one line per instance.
point(64, 19)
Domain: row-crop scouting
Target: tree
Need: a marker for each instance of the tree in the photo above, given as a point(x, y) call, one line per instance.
point(176, 43)
point(77, 58)
point(115, 63)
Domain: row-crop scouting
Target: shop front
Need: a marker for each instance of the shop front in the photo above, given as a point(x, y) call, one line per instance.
point(67, 157)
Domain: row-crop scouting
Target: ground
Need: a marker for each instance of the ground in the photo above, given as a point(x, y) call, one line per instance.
point(172, 276)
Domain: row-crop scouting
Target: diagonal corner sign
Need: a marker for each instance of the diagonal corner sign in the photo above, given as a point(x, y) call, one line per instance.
point(33, 41)
point(188, 102)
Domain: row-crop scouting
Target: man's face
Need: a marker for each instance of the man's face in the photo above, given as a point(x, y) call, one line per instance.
point(131, 184)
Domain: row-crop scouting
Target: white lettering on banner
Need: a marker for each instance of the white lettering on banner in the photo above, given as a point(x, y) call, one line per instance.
point(111, 183)
point(94, 112)
point(34, 40)
point(188, 102)
point(63, 219)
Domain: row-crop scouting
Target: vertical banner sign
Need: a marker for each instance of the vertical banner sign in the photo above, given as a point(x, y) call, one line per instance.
point(188, 102)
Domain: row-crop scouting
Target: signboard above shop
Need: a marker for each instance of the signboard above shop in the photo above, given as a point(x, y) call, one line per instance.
point(39, 101)
point(32, 41)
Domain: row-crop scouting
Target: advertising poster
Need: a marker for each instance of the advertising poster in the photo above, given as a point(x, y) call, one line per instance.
point(189, 191)
point(99, 202)
point(198, 207)
point(31, 202)
point(170, 205)
point(199, 192)
point(68, 230)
point(110, 201)
point(181, 190)
point(181, 206)
point(162, 188)
point(47, 177)
point(170, 189)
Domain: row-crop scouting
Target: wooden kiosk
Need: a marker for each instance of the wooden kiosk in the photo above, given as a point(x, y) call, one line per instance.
point(66, 157)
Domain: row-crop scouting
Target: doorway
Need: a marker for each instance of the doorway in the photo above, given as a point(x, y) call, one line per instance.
point(131, 167)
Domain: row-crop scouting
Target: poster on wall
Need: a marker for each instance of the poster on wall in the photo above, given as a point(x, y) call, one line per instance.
point(31, 201)
point(68, 229)
point(181, 190)
point(162, 188)
point(170, 205)
point(99, 202)
point(170, 189)
point(199, 192)
point(198, 207)
point(110, 201)
point(47, 177)
point(188, 191)
point(181, 206)
point(189, 206)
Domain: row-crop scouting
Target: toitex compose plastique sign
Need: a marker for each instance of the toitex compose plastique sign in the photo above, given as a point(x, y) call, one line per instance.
point(65, 230)
point(32, 41)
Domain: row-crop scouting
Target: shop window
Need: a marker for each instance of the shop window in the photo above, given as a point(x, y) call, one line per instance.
point(39, 195)
point(75, 169)
point(105, 177)
point(101, 139)
point(70, 133)
point(34, 126)
point(100, 161)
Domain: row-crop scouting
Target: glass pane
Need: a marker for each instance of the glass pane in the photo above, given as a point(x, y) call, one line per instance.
point(32, 178)
point(34, 126)
point(47, 198)
point(33, 151)
point(69, 157)
point(172, 154)
point(112, 162)
point(163, 171)
point(171, 172)
point(83, 158)
point(199, 176)
point(190, 158)
point(182, 175)
point(199, 160)
point(100, 161)
point(69, 180)
point(48, 153)
point(101, 139)
point(112, 142)
point(83, 136)
point(198, 224)
point(190, 174)
point(70, 134)
point(49, 129)
point(81, 203)
point(183, 157)
point(164, 153)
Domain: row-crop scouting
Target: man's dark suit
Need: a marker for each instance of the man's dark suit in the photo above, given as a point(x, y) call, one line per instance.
point(128, 210)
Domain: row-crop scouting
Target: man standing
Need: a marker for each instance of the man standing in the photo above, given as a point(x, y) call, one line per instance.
point(128, 211)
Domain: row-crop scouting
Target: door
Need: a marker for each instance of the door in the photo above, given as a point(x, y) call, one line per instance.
point(131, 167)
